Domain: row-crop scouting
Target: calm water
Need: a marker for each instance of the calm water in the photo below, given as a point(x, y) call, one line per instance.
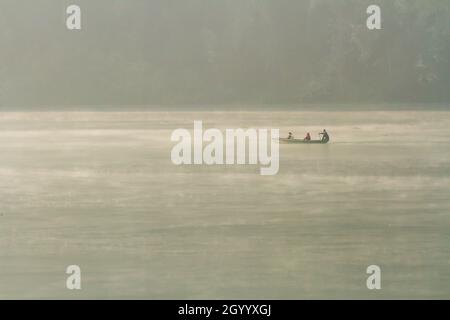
point(99, 190)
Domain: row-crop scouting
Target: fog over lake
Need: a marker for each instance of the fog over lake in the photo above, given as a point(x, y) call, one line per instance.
point(92, 91)
point(99, 190)
point(252, 52)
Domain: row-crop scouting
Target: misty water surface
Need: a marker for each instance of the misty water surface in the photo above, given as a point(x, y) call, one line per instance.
point(99, 190)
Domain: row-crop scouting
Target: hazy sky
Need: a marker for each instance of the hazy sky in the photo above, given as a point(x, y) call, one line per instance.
point(152, 52)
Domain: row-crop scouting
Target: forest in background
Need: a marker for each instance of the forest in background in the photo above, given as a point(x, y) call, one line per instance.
point(200, 52)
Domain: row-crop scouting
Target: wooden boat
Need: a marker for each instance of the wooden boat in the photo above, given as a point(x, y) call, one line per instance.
point(301, 141)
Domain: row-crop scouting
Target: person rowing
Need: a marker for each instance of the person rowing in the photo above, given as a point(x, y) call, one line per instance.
point(325, 136)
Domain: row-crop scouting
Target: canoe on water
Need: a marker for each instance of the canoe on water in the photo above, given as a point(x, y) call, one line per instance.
point(286, 140)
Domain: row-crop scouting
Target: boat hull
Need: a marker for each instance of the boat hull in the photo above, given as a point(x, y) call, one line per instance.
point(301, 141)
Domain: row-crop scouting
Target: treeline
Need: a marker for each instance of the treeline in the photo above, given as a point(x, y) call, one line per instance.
point(253, 52)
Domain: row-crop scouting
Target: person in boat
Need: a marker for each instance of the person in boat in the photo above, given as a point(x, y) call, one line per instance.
point(325, 136)
point(308, 137)
point(290, 136)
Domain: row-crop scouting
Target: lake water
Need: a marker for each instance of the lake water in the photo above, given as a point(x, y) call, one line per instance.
point(99, 190)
